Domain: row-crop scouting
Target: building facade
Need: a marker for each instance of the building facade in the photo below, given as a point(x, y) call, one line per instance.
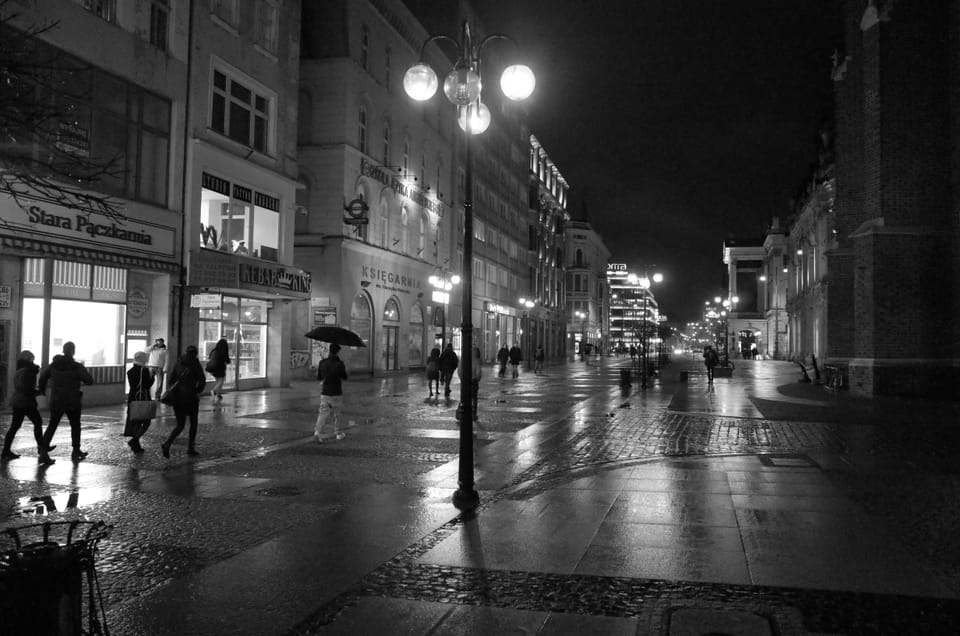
point(634, 313)
point(745, 320)
point(96, 264)
point(384, 181)
point(548, 220)
point(894, 275)
point(587, 292)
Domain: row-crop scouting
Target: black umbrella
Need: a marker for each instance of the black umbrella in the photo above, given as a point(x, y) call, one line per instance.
point(335, 335)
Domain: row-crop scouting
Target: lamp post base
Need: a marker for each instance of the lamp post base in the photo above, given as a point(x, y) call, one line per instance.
point(464, 499)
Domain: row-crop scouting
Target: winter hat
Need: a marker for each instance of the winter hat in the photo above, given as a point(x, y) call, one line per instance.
point(140, 358)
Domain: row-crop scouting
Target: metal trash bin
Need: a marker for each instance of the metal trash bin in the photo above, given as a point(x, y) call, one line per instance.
point(41, 579)
point(625, 377)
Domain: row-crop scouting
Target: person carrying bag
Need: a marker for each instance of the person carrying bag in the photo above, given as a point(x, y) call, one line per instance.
point(140, 408)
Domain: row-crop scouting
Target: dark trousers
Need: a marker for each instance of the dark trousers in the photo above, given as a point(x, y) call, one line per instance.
point(17, 420)
point(73, 416)
point(191, 411)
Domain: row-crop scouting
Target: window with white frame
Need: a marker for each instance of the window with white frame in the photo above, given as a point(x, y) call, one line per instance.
point(241, 111)
point(106, 9)
point(362, 129)
point(492, 273)
point(478, 269)
point(479, 230)
point(265, 25)
point(225, 10)
point(159, 21)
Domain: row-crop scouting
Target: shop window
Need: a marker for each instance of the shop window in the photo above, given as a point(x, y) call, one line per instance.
point(241, 111)
point(238, 220)
point(415, 336)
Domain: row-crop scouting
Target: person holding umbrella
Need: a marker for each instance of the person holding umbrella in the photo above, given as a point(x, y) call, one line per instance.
point(331, 371)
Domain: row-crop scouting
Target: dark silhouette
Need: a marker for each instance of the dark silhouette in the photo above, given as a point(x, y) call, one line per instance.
point(23, 401)
point(65, 376)
point(187, 382)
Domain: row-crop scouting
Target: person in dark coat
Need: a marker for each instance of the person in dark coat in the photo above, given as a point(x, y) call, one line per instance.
point(538, 360)
point(217, 363)
point(433, 371)
point(185, 384)
point(331, 371)
point(515, 357)
point(503, 356)
point(140, 378)
point(448, 364)
point(710, 360)
point(65, 376)
point(23, 401)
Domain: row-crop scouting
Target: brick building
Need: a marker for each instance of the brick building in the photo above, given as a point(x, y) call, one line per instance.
point(892, 294)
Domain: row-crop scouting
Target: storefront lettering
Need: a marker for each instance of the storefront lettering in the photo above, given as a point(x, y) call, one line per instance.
point(274, 277)
point(390, 278)
point(397, 184)
point(82, 223)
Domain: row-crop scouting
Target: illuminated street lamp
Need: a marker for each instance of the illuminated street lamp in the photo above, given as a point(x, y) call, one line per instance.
point(583, 331)
point(525, 340)
point(442, 284)
point(462, 88)
point(728, 305)
point(645, 282)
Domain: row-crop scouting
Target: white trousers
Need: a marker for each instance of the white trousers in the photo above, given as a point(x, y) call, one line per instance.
point(329, 414)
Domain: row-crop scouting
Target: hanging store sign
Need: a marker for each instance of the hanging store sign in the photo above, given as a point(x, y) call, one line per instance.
point(205, 301)
point(356, 212)
point(400, 186)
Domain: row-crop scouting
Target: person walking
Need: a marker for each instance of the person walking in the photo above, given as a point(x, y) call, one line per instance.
point(503, 356)
point(23, 402)
point(217, 363)
point(710, 360)
point(140, 379)
point(157, 363)
point(65, 376)
point(331, 372)
point(433, 371)
point(448, 364)
point(187, 382)
point(538, 360)
point(477, 364)
point(515, 356)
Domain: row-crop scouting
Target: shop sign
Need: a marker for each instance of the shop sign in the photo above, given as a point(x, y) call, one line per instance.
point(44, 219)
point(356, 212)
point(205, 301)
point(398, 185)
point(616, 269)
point(275, 278)
point(209, 268)
point(137, 303)
point(389, 279)
point(5, 296)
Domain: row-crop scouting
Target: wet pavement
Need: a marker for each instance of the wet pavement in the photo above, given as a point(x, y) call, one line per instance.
point(756, 506)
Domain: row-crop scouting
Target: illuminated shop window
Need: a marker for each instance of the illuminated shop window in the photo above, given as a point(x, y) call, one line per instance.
point(238, 220)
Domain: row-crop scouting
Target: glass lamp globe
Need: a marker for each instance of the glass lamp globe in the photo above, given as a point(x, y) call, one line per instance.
point(518, 82)
point(462, 86)
point(455, 279)
point(420, 82)
point(658, 277)
point(474, 118)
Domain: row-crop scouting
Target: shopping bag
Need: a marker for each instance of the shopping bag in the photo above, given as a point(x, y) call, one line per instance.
point(141, 410)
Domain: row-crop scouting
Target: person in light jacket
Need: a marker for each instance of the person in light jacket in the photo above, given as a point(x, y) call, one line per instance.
point(65, 376)
point(23, 401)
point(157, 363)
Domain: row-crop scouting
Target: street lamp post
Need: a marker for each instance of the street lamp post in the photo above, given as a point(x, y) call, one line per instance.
point(583, 331)
point(443, 283)
point(645, 282)
point(526, 341)
point(463, 88)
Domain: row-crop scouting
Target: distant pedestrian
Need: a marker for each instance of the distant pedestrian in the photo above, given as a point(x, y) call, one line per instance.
point(633, 354)
point(331, 371)
point(710, 360)
point(157, 364)
point(433, 371)
point(515, 357)
point(448, 364)
point(65, 375)
point(140, 379)
point(23, 402)
point(187, 382)
point(217, 362)
point(477, 364)
point(538, 360)
point(503, 356)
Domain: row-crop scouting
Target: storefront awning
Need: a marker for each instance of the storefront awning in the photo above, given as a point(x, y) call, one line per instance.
point(30, 247)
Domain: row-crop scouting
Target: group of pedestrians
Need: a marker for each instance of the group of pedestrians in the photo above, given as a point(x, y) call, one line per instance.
point(65, 376)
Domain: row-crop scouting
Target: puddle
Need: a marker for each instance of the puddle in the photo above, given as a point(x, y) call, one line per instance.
point(60, 502)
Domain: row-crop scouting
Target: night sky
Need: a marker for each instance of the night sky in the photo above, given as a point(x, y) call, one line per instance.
point(677, 123)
